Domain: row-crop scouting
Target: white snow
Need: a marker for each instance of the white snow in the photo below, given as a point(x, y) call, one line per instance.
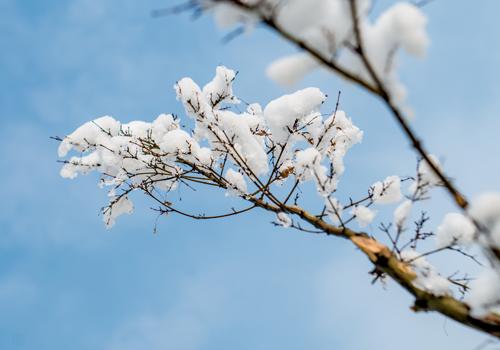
point(401, 214)
point(289, 70)
point(326, 27)
point(282, 113)
point(484, 296)
point(88, 135)
point(455, 229)
point(155, 154)
point(237, 183)
point(486, 208)
point(427, 276)
point(364, 215)
point(387, 191)
point(307, 164)
point(283, 219)
point(220, 89)
point(334, 209)
point(176, 141)
point(119, 207)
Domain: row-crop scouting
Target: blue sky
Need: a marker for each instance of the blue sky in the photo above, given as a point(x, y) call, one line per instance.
point(67, 283)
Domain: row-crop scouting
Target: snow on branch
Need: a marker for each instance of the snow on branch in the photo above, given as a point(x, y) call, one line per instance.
point(244, 153)
point(264, 155)
point(326, 27)
point(345, 37)
point(257, 153)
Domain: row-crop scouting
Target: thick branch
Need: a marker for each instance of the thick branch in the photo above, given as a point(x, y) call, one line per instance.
point(378, 90)
point(272, 24)
point(384, 260)
point(459, 198)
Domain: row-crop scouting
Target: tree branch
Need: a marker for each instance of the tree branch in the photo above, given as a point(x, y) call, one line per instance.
point(378, 89)
point(387, 262)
